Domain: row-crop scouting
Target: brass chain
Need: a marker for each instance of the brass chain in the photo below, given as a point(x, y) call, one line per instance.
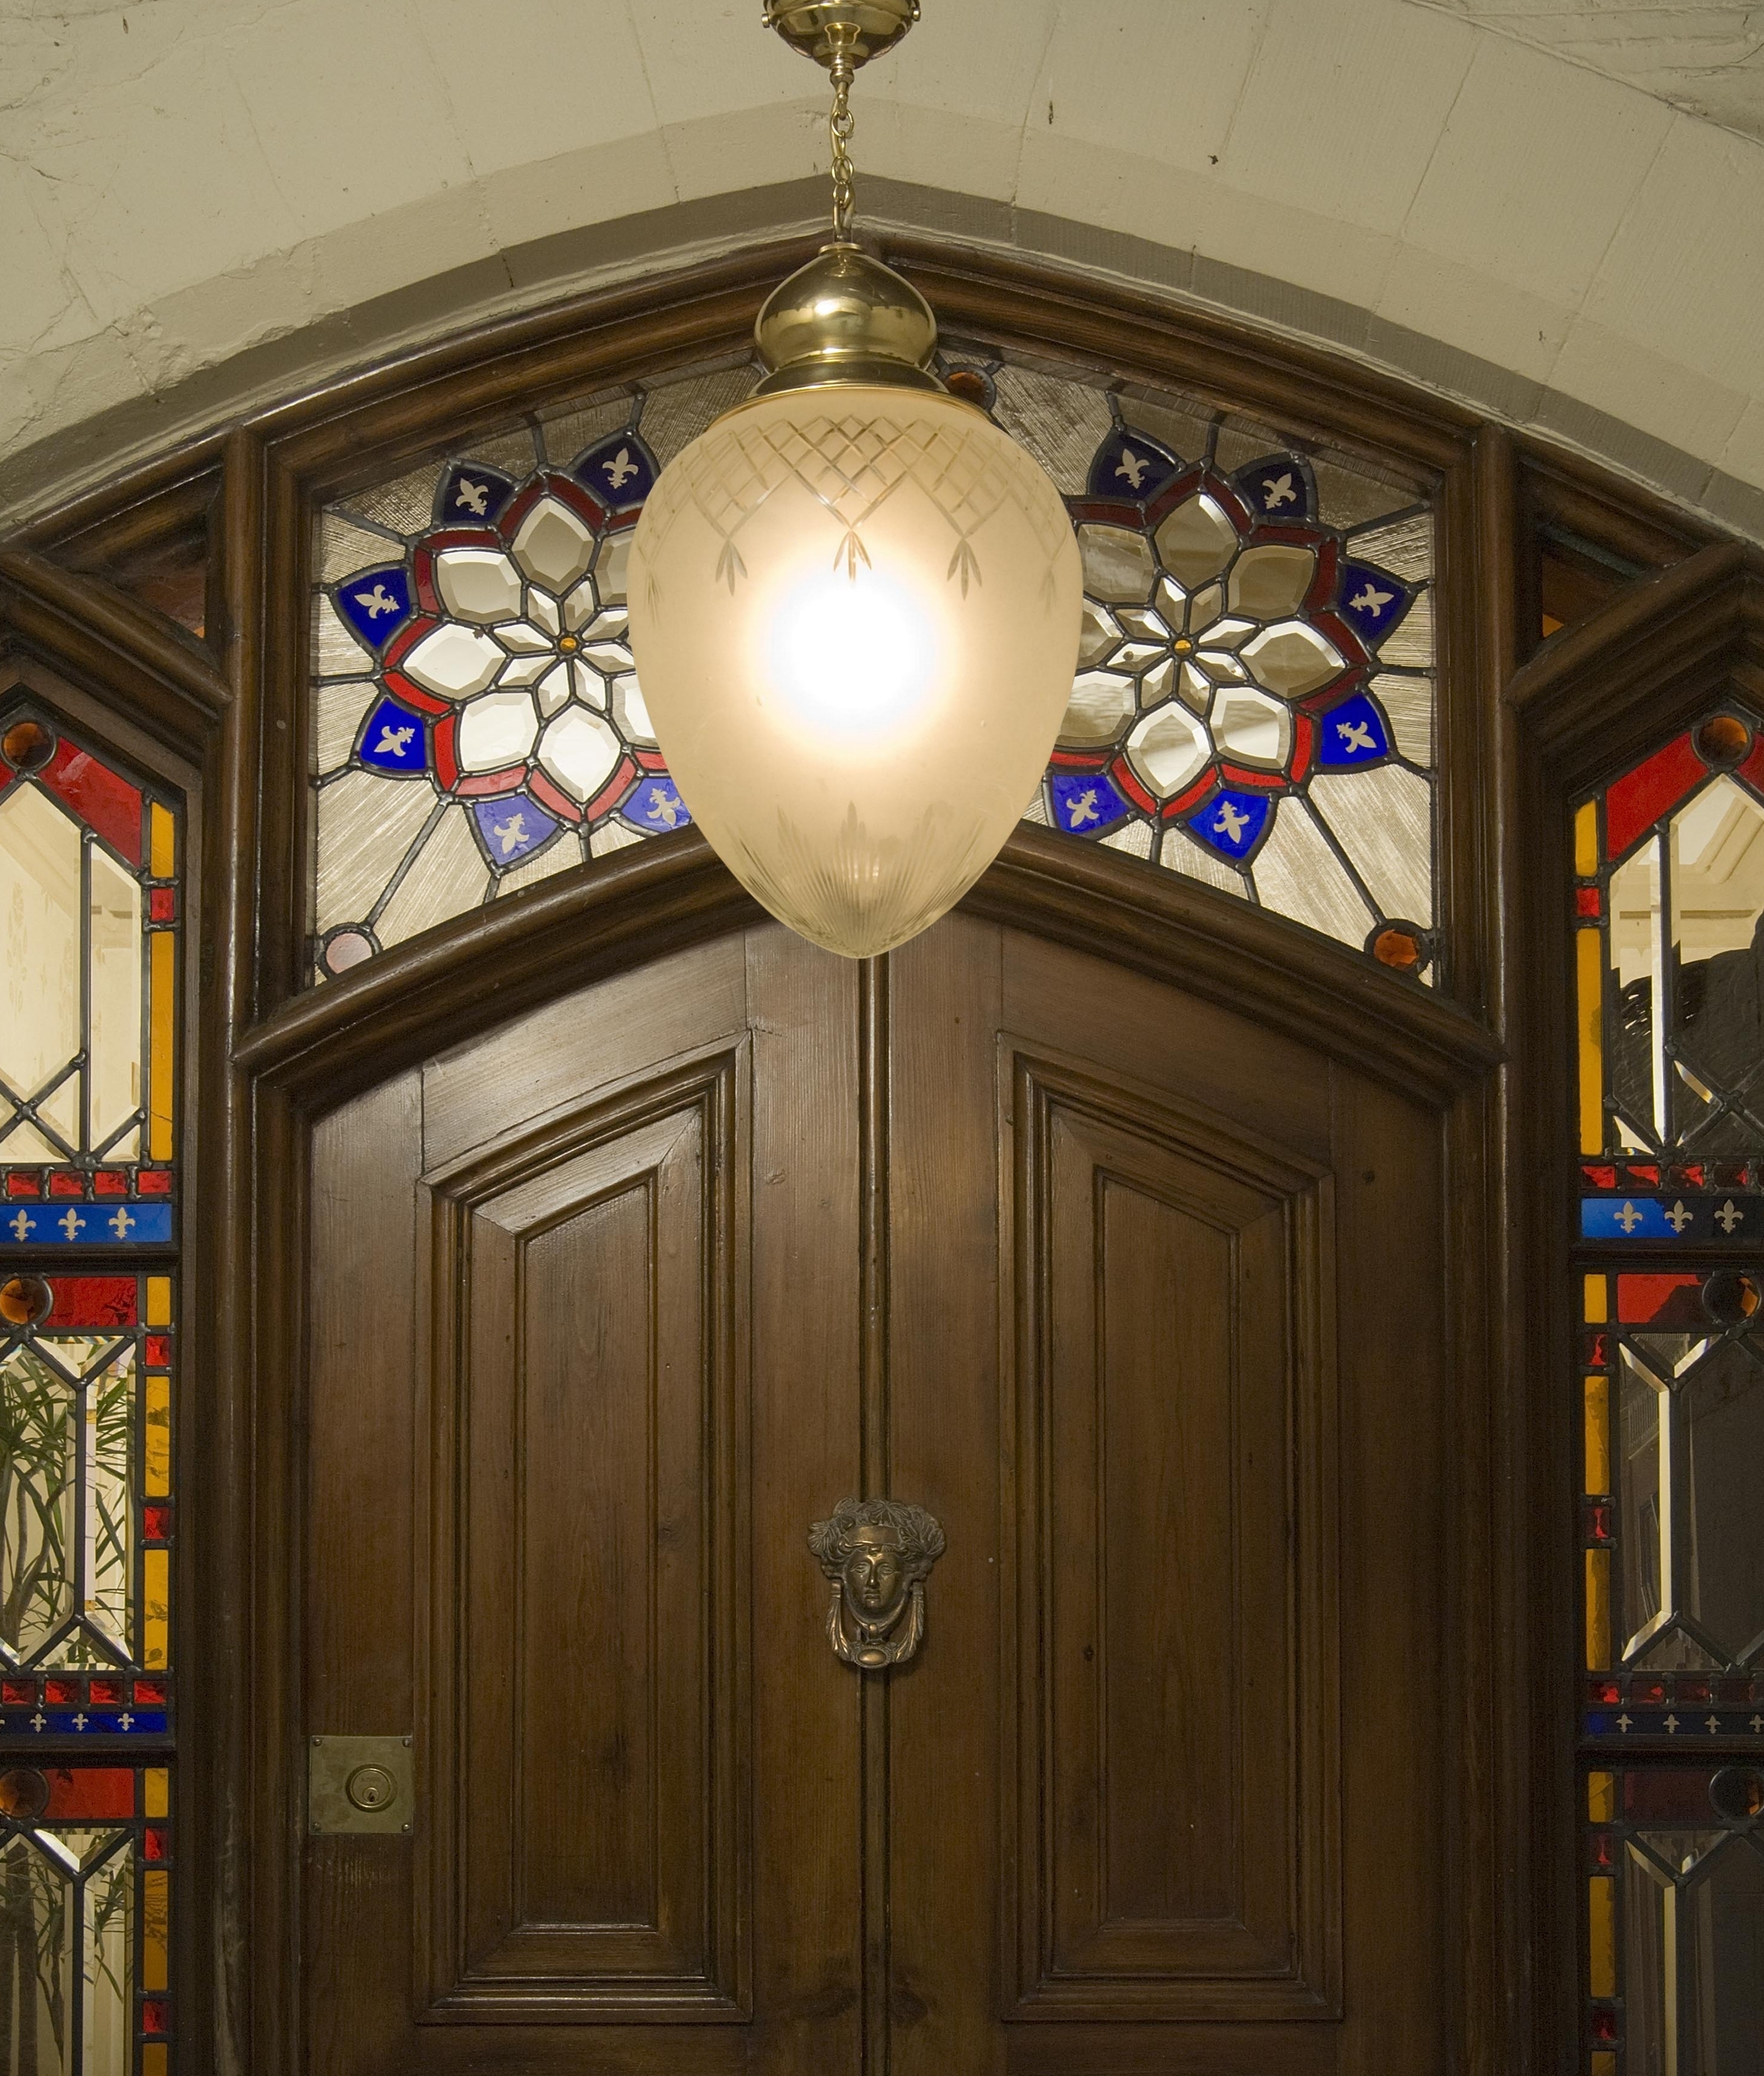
point(839, 129)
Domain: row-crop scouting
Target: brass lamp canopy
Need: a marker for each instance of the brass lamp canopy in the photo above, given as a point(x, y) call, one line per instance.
point(845, 317)
point(832, 30)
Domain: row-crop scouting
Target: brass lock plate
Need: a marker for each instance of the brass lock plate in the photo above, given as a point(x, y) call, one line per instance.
point(357, 1784)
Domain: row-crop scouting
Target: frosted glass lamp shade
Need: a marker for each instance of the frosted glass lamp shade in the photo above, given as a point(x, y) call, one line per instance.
point(854, 610)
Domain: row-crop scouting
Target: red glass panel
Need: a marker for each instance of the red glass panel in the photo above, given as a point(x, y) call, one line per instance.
point(19, 1693)
point(1649, 1691)
point(156, 2014)
point(90, 1790)
point(1604, 1693)
point(1672, 1300)
point(1686, 1178)
point(63, 1182)
point(156, 1845)
point(1646, 1177)
point(1596, 1176)
point(1605, 2024)
point(61, 1691)
point(110, 804)
point(150, 1693)
point(93, 1301)
point(156, 1523)
point(154, 1182)
point(1602, 1853)
point(1730, 1174)
point(162, 904)
point(1587, 901)
point(1595, 1351)
point(24, 1182)
point(159, 1350)
point(1637, 800)
point(110, 1183)
point(106, 1693)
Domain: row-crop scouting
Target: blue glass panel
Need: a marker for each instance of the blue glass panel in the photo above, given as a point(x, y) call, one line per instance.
point(1278, 487)
point(376, 604)
point(1084, 803)
point(1372, 600)
point(1352, 733)
point(655, 804)
point(470, 494)
point(620, 470)
point(1683, 1219)
point(1230, 822)
point(394, 740)
point(1131, 465)
point(87, 1225)
point(512, 827)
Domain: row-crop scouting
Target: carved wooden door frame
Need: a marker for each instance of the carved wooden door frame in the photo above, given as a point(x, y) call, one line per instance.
point(225, 719)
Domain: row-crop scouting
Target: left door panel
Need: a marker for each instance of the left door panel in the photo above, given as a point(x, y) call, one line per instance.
point(534, 1328)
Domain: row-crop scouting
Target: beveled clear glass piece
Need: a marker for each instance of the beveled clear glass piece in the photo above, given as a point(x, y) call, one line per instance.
point(1102, 704)
point(522, 638)
point(39, 940)
point(579, 751)
point(553, 546)
point(1168, 749)
point(1196, 541)
point(545, 611)
point(454, 661)
point(496, 731)
point(631, 712)
point(1098, 633)
point(1636, 1063)
point(479, 584)
point(1117, 564)
point(1291, 657)
point(1252, 728)
point(1270, 582)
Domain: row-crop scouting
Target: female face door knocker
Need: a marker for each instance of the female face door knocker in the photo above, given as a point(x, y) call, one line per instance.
point(878, 1553)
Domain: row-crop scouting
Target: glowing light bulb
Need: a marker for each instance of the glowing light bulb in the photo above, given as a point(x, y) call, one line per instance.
point(854, 658)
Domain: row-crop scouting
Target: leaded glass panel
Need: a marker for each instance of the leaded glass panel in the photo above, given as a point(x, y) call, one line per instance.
point(1253, 703)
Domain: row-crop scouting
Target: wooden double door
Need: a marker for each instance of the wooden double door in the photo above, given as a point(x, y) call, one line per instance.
point(1139, 1300)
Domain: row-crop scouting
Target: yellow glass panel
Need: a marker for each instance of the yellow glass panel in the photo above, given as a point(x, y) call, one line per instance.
point(156, 1474)
point(1585, 840)
point(1602, 1797)
point(156, 1799)
point(153, 2059)
point(1598, 1390)
point(156, 1624)
point(156, 1928)
point(1605, 2063)
point(1598, 1607)
point(1602, 1936)
point(159, 1301)
point(162, 975)
point(1598, 1301)
point(162, 842)
point(1589, 960)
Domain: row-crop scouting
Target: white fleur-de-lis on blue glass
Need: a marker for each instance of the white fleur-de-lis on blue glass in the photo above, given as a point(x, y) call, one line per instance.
point(1278, 490)
point(620, 469)
point(1084, 809)
point(665, 807)
point(126, 1720)
point(376, 602)
point(73, 1224)
point(22, 1225)
point(1369, 599)
point(473, 497)
point(1729, 1216)
point(393, 741)
point(1231, 822)
point(122, 1224)
point(1629, 1217)
point(1678, 1218)
point(1133, 469)
point(511, 833)
point(1354, 735)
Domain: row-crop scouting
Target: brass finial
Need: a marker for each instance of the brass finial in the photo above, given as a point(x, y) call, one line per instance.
point(845, 317)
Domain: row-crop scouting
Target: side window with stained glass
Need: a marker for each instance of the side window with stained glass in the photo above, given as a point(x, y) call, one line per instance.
point(1668, 923)
point(91, 882)
point(1253, 705)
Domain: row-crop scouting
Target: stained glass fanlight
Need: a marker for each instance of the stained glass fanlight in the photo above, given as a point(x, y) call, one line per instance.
point(854, 601)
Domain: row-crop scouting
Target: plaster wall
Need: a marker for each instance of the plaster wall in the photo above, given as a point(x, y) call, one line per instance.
point(203, 201)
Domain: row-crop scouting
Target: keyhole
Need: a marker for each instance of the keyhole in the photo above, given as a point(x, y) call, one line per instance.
point(370, 1788)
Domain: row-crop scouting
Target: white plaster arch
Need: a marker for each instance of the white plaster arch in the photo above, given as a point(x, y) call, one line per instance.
point(203, 200)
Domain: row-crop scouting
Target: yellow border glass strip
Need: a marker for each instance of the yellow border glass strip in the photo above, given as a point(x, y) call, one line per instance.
point(1585, 840)
point(1602, 1798)
point(1597, 1301)
point(1589, 992)
point(1598, 1608)
point(156, 1928)
point(154, 2062)
point(1602, 1936)
point(159, 1301)
point(162, 842)
point(1598, 1396)
point(1605, 2063)
point(156, 1792)
point(157, 1608)
point(162, 974)
point(157, 1471)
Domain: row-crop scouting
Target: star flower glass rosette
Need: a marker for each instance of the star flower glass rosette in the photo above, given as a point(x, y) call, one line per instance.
point(503, 675)
point(1230, 644)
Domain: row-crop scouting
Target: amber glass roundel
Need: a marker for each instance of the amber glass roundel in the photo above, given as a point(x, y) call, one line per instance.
point(855, 615)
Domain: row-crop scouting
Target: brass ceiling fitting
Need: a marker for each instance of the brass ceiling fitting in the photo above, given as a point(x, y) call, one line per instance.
point(844, 318)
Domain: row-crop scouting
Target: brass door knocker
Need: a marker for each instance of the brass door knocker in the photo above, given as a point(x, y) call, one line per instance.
point(877, 1552)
